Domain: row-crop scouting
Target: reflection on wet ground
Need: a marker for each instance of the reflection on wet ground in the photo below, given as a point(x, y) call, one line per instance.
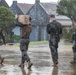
point(41, 58)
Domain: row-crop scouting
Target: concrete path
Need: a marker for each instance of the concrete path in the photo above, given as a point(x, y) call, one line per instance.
point(41, 58)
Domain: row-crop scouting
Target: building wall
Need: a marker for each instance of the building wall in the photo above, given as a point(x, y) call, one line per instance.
point(39, 21)
point(16, 30)
point(33, 34)
point(15, 9)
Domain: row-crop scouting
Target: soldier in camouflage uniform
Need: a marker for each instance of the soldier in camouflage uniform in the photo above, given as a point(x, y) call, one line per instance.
point(54, 29)
point(2, 37)
point(74, 46)
point(24, 42)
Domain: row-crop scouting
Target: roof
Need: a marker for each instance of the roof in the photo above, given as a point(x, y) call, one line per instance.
point(50, 7)
point(15, 8)
point(24, 7)
point(62, 17)
point(4, 3)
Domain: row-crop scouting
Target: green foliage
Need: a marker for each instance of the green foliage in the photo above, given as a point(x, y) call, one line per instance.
point(67, 33)
point(8, 39)
point(11, 40)
point(6, 19)
point(67, 8)
point(16, 37)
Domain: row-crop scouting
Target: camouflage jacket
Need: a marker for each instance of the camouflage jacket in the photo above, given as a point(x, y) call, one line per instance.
point(54, 28)
point(25, 29)
point(2, 37)
point(73, 35)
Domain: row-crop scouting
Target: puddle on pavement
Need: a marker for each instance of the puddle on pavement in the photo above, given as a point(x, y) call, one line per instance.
point(42, 64)
point(15, 70)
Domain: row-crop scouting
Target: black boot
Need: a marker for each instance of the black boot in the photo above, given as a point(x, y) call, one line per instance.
point(21, 65)
point(73, 62)
point(29, 65)
point(1, 60)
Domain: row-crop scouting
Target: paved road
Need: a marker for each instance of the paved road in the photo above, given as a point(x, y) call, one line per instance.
point(41, 58)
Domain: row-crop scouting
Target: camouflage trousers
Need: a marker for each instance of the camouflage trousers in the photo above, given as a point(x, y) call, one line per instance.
point(24, 48)
point(53, 44)
point(74, 50)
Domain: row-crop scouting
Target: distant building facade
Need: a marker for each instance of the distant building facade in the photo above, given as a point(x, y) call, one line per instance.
point(39, 13)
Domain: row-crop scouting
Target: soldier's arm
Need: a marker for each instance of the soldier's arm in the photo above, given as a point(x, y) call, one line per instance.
point(60, 30)
point(18, 23)
point(72, 37)
point(48, 29)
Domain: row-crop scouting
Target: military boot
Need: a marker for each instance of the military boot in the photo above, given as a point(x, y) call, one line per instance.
point(1, 60)
point(29, 65)
point(73, 62)
point(55, 64)
point(21, 65)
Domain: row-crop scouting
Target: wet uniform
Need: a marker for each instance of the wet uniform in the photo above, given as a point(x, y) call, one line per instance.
point(24, 42)
point(54, 29)
point(74, 43)
point(2, 37)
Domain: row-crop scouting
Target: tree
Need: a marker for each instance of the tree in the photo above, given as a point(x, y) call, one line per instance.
point(6, 19)
point(67, 8)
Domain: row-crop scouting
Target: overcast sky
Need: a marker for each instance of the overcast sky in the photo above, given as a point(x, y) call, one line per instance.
point(9, 2)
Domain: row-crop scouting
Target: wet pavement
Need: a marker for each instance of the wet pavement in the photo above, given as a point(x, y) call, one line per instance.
point(41, 58)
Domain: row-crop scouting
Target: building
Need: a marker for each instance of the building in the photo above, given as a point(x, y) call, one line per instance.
point(39, 13)
point(3, 3)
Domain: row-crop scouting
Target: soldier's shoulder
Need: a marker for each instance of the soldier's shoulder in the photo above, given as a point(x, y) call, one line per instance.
point(58, 23)
point(49, 23)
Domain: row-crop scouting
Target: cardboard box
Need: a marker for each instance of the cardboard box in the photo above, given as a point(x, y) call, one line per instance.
point(24, 19)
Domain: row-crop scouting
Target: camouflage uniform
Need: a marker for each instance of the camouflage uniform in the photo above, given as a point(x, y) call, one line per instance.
point(54, 29)
point(74, 43)
point(1, 36)
point(24, 42)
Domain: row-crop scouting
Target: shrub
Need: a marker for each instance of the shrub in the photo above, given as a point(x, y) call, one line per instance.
point(14, 38)
point(67, 33)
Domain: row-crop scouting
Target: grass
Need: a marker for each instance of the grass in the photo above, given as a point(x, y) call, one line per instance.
point(38, 42)
point(33, 43)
